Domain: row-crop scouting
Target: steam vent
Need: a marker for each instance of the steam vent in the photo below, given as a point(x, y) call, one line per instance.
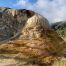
point(26, 39)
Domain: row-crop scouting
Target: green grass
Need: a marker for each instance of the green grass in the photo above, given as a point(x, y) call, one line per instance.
point(60, 63)
point(61, 32)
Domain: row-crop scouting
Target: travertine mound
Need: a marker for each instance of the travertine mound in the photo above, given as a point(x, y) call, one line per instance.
point(34, 27)
point(27, 39)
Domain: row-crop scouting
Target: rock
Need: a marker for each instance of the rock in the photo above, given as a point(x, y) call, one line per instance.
point(29, 40)
point(11, 21)
point(34, 26)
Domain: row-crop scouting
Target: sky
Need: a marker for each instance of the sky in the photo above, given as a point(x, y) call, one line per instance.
point(53, 10)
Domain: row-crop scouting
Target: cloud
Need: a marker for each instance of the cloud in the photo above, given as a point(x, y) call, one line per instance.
point(22, 3)
point(53, 10)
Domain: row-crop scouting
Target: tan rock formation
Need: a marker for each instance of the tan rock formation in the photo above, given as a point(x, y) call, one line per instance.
point(34, 26)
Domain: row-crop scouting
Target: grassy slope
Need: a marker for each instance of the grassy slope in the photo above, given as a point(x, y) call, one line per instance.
point(60, 63)
point(60, 28)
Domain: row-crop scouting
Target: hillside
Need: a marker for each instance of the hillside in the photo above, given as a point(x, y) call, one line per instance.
point(60, 28)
